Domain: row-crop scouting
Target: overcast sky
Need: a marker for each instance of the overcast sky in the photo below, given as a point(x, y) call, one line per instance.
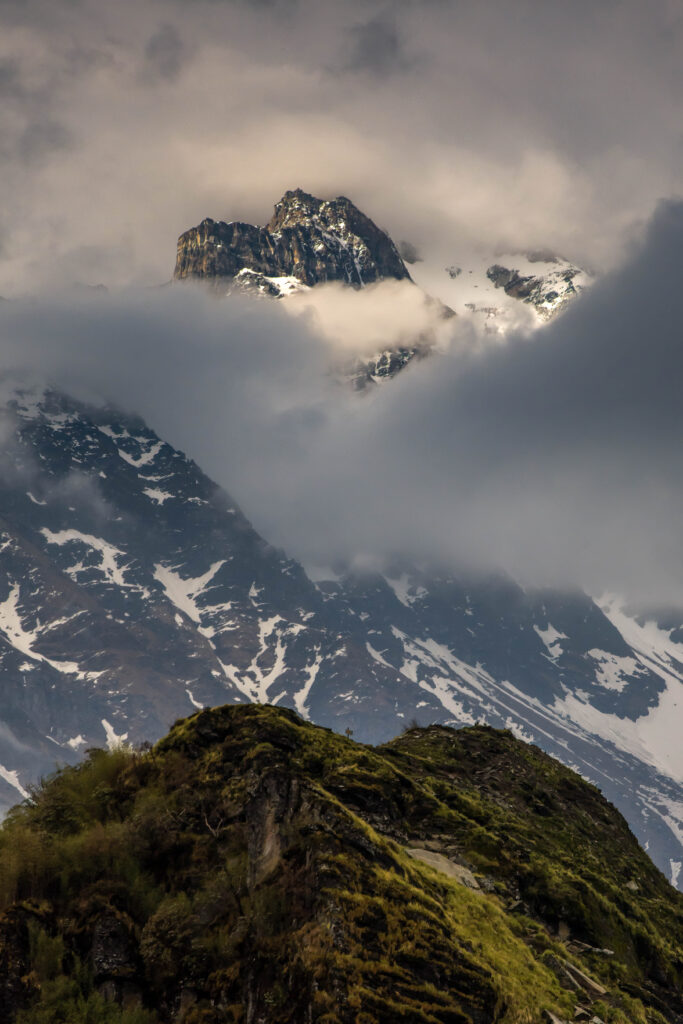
point(527, 123)
point(557, 458)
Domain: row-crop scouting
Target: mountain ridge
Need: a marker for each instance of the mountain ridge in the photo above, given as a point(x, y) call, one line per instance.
point(307, 240)
point(253, 867)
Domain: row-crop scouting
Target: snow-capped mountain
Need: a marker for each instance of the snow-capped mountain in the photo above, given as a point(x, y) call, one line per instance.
point(307, 241)
point(133, 590)
point(501, 293)
point(310, 241)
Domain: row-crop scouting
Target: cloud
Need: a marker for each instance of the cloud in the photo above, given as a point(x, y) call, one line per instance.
point(164, 54)
point(388, 314)
point(556, 457)
point(376, 47)
point(454, 125)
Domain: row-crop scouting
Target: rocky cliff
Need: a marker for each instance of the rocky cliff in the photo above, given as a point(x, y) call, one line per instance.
point(307, 239)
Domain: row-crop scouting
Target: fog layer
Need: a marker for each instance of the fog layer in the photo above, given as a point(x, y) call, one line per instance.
point(556, 457)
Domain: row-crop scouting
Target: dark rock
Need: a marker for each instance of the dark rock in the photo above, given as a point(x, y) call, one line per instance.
point(548, 292)
point(112, 948)
point(17, 988)
point(310, 239)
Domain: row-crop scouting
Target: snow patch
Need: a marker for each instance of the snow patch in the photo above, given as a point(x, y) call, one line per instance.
point(183, 592)
point(143, 459)
point(23, 640)
point(154, 494)
point(612, 671)
point(12, 778)
point(109, 554)
point(113, 739)
point(551, 638)
point(377, 656)
point(405, 592)
point(301, 695)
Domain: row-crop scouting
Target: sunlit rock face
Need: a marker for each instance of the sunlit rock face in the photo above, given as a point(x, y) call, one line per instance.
point(308, 239)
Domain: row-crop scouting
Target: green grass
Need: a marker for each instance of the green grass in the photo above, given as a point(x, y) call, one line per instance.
point(250, 856)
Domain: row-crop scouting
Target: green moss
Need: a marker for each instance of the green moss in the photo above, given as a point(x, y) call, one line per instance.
point(252, 856)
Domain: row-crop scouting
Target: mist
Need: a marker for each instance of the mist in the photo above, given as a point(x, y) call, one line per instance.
point(555, 457)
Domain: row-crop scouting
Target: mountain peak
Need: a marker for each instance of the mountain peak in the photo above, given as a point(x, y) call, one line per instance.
point(307, 240)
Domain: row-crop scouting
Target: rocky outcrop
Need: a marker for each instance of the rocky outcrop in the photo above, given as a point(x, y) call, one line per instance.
point(366, 373)
point(549, 292)
point(308, 239)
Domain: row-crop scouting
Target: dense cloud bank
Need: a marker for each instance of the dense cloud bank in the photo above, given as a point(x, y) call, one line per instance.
point(520, 124)
point(556, 457)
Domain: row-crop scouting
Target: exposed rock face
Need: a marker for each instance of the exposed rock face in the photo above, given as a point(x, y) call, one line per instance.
point(364, 373)
point(308, 239)
point(548, 292)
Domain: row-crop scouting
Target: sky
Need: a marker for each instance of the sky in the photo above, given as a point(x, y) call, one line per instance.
point(555, 457)
point(452, 123)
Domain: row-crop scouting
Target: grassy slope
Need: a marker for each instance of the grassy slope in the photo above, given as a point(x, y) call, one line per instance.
point(252, 867)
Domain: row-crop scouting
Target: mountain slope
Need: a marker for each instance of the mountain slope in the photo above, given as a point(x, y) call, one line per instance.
point(252, 867)
point(497, 295)
point(133, 591)
point(307, 240)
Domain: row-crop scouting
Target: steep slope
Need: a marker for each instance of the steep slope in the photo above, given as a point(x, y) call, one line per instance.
point(133, 591)
point(252, 867)
point(307, 240)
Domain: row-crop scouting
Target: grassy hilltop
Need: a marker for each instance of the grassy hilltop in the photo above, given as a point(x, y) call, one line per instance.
point(254, 868)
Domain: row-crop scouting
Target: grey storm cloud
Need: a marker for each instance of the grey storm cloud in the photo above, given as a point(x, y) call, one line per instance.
point(555, 457)
point(41, 138)
point(164, 54)
point(450, 123)
point(377, 47)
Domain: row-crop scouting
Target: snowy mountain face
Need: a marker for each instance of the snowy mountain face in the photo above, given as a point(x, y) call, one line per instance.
point(514, 290)
point(133, 591)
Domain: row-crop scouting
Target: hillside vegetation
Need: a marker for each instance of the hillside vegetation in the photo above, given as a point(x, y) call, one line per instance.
point(254, 868)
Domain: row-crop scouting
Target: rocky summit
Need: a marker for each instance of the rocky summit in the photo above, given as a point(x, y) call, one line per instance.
point(254, 868)
point(307, 241)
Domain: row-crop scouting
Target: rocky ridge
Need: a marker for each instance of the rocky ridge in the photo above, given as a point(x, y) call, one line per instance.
point(307, 242)
point(548, 292)
point(308, 239)
point(254, 868)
